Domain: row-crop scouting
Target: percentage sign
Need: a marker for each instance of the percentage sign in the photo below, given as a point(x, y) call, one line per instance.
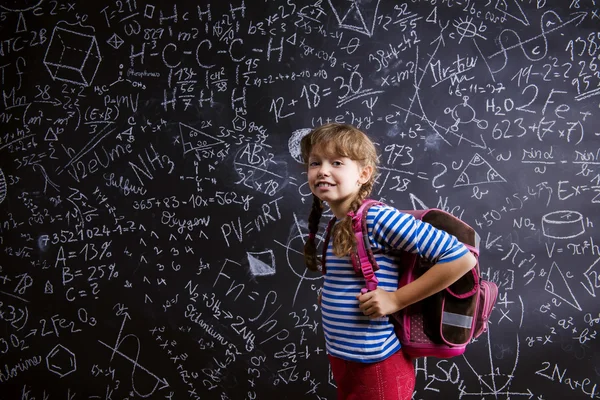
point(113, 273)
point(105, 250)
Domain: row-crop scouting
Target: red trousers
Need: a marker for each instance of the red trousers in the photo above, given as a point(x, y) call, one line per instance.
point(390, 379)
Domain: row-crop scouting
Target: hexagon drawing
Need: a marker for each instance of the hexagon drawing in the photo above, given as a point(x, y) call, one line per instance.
point(239, 123)
point(61, 361)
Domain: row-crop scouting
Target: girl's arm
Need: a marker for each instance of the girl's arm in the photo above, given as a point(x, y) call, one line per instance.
point(379, 303)
point(437, 278)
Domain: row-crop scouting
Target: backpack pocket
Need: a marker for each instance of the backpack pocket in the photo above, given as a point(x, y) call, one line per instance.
point(488, 294)
point(455, 322)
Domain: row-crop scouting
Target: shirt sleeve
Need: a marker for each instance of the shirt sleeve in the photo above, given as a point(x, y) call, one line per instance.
point(397, 230)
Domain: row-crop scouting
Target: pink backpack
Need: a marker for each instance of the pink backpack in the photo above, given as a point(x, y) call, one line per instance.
point(443, 324)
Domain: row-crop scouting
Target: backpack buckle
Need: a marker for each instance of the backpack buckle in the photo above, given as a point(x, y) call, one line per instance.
point(371, 284)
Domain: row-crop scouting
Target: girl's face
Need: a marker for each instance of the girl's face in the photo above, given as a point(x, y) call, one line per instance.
point(335, 179)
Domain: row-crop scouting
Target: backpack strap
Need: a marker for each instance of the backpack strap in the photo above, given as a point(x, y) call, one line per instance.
point(363, 261)
point(472, 249)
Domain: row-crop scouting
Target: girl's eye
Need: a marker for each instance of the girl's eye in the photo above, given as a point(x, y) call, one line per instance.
point(337, 163)
point(313, 163)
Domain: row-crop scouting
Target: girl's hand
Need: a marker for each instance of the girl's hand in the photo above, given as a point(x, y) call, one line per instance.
point(378, 303)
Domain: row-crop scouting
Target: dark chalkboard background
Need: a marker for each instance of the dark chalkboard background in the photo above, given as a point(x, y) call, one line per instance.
point(153, 207)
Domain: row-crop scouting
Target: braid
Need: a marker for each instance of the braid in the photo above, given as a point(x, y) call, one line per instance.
point(310, 247)
point(344, 240)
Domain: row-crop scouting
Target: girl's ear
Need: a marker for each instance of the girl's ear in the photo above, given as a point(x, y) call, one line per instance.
point(365, 174)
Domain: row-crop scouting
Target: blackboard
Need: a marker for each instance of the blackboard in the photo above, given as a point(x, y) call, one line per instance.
point(153, 206)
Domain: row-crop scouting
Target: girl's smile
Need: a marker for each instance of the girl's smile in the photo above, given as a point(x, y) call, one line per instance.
point(324, 185)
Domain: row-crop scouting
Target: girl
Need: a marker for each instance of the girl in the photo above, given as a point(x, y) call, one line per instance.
point(365, 355)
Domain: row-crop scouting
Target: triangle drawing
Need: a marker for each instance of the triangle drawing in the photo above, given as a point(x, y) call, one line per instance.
point(556, 285)
point(21, 25)
point(193, 139)
point(51, 135)
point(261, 263)
point(513, 10)
point(477, 172)
point(356, 16)
point(592, 275)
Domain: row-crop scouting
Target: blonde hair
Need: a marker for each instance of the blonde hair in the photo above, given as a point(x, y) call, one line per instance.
point(346, 141)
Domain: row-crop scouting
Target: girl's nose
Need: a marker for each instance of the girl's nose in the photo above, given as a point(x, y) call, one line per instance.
point(323, 171)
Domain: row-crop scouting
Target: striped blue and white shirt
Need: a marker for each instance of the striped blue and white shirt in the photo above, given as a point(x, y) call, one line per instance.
point(349, 334)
